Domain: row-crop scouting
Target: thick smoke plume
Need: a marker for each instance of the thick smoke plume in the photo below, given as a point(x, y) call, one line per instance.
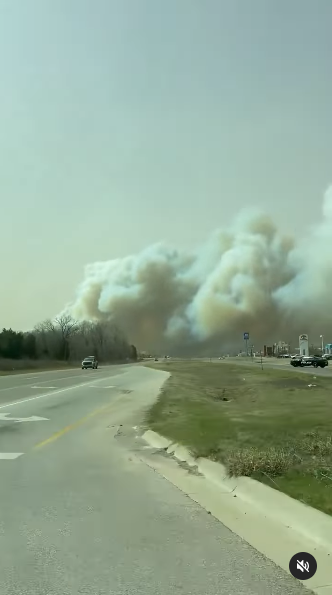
point(246, 278)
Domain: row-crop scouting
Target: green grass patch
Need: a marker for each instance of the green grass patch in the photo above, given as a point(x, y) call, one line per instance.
point(267, 424)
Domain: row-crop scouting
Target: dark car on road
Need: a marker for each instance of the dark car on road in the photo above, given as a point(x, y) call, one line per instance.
point(312, 360)
point(90, 362)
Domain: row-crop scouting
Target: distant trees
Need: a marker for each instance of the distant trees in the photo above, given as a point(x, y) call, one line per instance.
point(64, 339)
point(102, 339)
point(133, 353)
point(15, 345)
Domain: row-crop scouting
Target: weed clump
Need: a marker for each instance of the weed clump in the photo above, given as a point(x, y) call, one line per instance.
point(251, 461)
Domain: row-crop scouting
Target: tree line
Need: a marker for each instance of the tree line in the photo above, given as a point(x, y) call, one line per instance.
point(66, 339)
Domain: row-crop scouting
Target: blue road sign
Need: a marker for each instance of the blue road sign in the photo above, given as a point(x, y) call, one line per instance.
point(246, 336)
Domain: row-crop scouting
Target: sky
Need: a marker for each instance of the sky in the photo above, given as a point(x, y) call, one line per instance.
point(125, 123)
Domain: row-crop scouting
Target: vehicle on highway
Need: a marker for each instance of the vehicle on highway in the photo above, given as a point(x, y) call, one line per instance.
point(283, 355)
point(327, 356)
point(311, 360)
point(90, 362)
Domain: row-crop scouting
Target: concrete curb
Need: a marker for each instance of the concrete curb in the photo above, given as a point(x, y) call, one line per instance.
point(312, 524)
point(155, 440)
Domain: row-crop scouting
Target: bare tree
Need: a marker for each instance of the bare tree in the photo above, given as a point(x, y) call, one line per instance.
point(67, 327)
point(81, 342)
point(65, 338)
point(46, 339)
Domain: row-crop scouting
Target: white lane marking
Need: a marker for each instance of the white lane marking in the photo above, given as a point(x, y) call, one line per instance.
point(101, 369)
point(112, 386)
point(42, 372)
point(10, 455)
point(50, 380)
point(4, 417)
point(55, 392)
point(42, 387)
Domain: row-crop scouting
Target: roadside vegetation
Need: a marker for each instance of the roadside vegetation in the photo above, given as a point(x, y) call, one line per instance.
point(55, 344)
point(273, 425)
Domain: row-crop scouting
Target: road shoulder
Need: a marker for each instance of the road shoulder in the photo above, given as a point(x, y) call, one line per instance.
point(257, 525)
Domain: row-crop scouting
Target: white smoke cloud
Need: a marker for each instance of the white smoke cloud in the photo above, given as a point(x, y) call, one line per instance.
point(247, 278)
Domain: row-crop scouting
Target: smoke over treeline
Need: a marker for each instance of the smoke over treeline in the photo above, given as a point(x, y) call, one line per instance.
point(249, 277)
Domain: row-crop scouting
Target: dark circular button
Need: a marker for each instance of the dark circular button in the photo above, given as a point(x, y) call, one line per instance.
point(303, 566)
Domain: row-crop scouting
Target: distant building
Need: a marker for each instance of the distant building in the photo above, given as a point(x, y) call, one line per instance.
point(268, 351)
point(281, 347)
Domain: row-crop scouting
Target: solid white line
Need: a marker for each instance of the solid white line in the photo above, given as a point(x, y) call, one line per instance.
point(55, 392)
point(10, 455)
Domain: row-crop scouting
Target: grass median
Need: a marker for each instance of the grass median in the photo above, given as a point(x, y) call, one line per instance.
point(272, 425)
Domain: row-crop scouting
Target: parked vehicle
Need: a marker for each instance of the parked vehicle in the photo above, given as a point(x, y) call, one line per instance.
point(90, 362)
point(312, 360)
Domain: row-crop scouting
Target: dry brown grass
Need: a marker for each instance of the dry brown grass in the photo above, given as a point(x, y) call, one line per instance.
point(271, 462)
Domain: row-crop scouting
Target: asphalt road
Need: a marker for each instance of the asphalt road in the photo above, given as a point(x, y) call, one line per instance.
point(80, 514)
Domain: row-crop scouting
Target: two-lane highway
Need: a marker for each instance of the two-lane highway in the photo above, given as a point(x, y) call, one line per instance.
point(23, 386)
point(81, 514)
point(61, 398)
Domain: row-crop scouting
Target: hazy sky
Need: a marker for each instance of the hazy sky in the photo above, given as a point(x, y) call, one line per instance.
point(127, 122)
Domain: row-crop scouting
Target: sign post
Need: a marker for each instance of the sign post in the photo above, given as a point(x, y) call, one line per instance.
point(246, 339)
point(304, 345)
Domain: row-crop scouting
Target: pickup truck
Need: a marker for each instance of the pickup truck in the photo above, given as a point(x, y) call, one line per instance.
point(312, 360)
point(90, 362)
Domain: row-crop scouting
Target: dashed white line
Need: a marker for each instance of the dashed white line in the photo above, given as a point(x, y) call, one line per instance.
point(42, 387)
point(26, 386)
point(4, 417)
point(93, 386)
point(50, 394)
